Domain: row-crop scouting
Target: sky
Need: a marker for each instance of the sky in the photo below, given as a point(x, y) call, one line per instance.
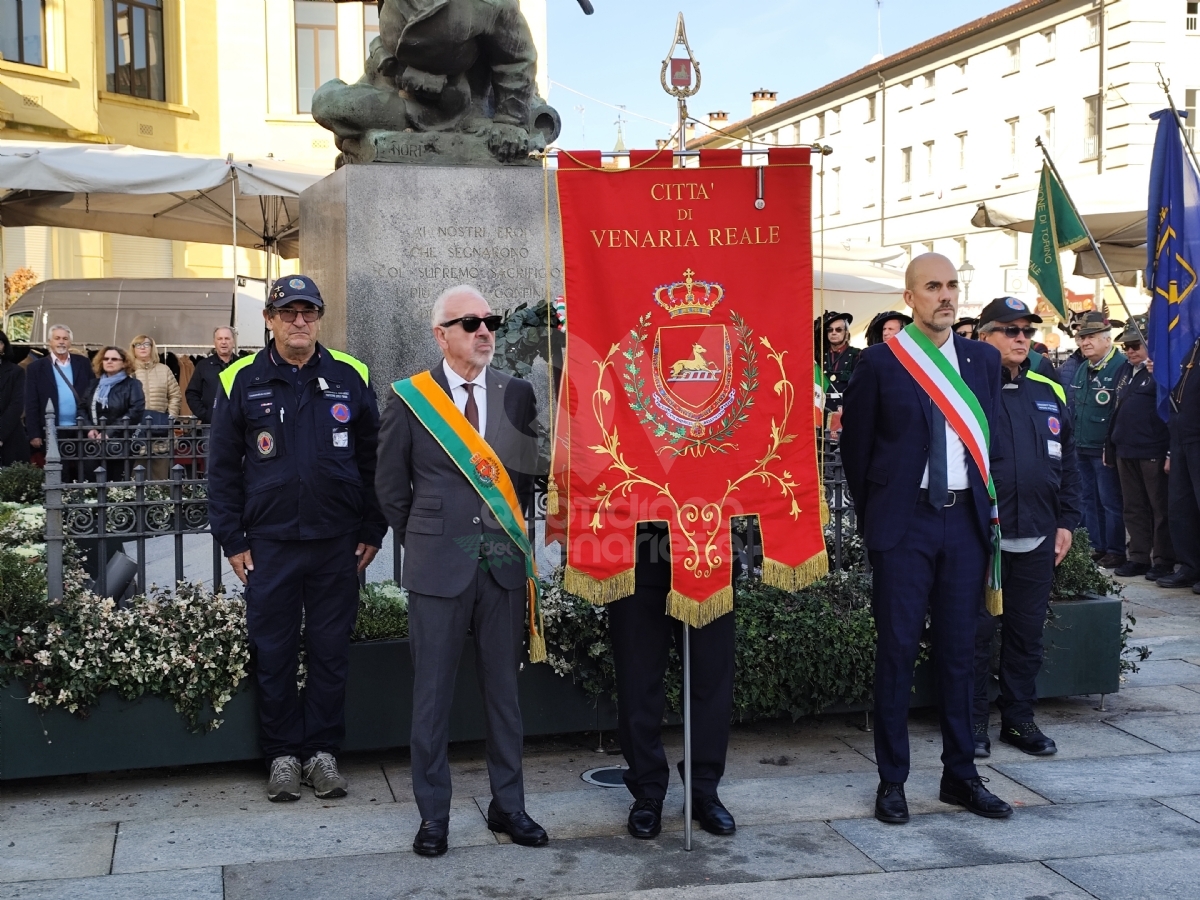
point(789, 46)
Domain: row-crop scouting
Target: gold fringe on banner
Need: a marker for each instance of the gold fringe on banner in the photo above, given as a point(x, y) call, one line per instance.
point(598, 590)
point(551, 497)
point(825, 514)
point(795, 578)
point(995, 601)
point(688, 611)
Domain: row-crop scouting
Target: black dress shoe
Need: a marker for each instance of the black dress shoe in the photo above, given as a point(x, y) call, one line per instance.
point(712, 815)
point(1111, 560)
point(1184, 578)
point(1027, 738)
point(1131, 569)
point(1160, 571)
point(431, 838)
point(983, 743)
point(1097, 554)
point(645, 818)
point(890, 805)
point(517, 825)
point(974, 796)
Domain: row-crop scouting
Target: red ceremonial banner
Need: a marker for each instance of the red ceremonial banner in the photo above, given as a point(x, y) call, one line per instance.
point(687, 394)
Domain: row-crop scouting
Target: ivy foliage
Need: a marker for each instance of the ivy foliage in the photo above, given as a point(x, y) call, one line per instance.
point(382, 613)
point(21, 483)
point(522, 339)
point(1077, 574)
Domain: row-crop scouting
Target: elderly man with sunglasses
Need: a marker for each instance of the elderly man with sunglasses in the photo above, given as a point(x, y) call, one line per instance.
point(457, 457)
point(1037, 491)
point(291, 476)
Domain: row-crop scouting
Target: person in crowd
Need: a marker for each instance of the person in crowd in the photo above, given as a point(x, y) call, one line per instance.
point(885, 326)
point(114, 398)
point(292, 502)
point(924, 510)
point(14, 444)
point(1037, 492)
point(840, 357)
point(967, 328)
point(206, 379)
point(1066, 368)
point(1091, 397)
point(455, 442)
point(1137, 445)
point(61, 378)
point(1183, 477)
point(162, 399)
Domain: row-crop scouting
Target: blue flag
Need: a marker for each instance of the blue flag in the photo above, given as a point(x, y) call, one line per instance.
point(1173, 257)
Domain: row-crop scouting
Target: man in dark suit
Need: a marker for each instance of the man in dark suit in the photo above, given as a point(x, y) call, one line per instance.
point(461, 569)
point(61, 378)
point(923, 508)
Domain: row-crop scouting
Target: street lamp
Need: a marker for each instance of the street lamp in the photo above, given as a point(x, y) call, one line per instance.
point(965, 273)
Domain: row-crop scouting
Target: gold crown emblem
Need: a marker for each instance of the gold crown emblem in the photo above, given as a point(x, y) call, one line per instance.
point(689, 297)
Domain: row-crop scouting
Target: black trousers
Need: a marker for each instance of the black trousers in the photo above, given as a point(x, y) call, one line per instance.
point(1144, 495)
point(1027, 579)
point(938, 567)
point(641, 633)
point(319, 581)
point(1183, 504)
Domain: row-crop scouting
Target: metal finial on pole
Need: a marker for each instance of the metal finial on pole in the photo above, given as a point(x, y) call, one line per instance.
point(1165, 84)
point(1091, 240)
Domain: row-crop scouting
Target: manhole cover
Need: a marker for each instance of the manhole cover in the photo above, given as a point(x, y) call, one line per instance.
point(606, 776)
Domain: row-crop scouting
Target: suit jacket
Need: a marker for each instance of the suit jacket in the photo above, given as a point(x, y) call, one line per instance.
point(41, 385)
point(444, 525)
point(885, 438)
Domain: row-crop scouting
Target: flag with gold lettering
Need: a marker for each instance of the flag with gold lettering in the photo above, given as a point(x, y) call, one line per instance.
point(686, 394)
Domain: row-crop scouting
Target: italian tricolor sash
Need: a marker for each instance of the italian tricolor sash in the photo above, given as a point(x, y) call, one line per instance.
point(481, 466)
point(945, 387)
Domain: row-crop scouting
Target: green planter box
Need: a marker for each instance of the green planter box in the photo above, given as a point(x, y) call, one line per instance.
point(147, 733)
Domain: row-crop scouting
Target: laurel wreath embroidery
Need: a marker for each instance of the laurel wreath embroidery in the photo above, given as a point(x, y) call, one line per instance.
point(679, 442)
point(700, 561)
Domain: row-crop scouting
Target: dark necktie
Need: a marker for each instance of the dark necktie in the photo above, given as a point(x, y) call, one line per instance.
point(938, 493)
point(472, 412)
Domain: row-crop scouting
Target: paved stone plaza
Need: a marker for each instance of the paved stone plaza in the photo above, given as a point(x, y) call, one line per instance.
point(1115, 815)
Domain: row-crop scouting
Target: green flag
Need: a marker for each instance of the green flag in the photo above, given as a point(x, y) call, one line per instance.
point(1055, 228)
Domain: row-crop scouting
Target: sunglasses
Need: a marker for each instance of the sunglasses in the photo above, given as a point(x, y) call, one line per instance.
point(289, 315)
point(1014, 331)
point(470, 324)
point(1133, 345)
point(114, 359)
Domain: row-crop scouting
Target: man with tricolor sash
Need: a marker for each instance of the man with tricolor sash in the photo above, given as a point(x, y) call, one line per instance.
point(916, 428)
point(457, 456)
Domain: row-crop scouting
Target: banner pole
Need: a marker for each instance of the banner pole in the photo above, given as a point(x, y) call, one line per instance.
point(1166, 86)
point(687, 643)
point(1091, 240)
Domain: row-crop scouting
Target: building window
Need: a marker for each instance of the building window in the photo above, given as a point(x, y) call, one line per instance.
point(1014, 162)
point(370, 25)
point(1093, 30)
point(1048, 45)
point(1013, 49)
point(1189, 122)
point(796, 134)
point(960, 75)
point(961, 138)
point(906, 92)
point(1048, 128)
point(906, 165)
point(871, 108)
point(836, 187)
point(835, 120)
point(871, 179)
point(1190, 22)
point(133, 40)
point(928, 80)
point(23, 31)
point(820, 125)
point(316, 49)
point(929, 161)
point(1091, 126)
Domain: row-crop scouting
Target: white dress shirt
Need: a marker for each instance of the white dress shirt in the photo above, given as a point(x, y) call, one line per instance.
point(458, 393)
point(956, 451)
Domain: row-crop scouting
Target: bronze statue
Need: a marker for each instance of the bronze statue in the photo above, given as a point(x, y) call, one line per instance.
point(447, 81)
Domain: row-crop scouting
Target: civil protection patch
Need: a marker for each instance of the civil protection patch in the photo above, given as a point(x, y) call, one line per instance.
point(1054, 425)
point(266, 444)
point(1014, 303)
point(341, 412)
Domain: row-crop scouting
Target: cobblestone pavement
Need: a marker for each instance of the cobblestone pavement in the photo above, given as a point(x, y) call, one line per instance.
point(1116, 814)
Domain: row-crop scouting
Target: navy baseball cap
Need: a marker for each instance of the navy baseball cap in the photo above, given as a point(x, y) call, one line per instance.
point(294, 287)
point(1005, 310)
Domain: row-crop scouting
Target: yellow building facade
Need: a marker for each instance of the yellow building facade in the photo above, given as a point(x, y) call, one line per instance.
point(211, 77)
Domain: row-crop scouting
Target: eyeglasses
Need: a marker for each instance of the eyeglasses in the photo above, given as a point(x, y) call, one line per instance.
point(470, 324)
point(114, 359)
point(289, 315)
point(1014, 331)
point(142, 344)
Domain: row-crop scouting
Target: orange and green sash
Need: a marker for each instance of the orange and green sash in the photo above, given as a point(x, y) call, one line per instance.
point(481, 466)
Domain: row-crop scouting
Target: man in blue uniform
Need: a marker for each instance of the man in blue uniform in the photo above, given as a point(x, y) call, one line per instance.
point(1037, 492)
point(292, 502)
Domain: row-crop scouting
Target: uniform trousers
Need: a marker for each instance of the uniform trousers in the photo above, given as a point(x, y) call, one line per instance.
point(641, 633)
point(1100, 499)
point(939, 567)
point(314, 581)
point(437, 630)
point(1027, 579)
point(1144, 495)
point(1183, 507)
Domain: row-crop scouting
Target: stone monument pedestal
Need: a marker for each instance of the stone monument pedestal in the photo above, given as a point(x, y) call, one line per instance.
point(382, 241)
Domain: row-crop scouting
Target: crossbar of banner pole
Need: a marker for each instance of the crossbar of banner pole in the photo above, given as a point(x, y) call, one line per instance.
point(816, 148)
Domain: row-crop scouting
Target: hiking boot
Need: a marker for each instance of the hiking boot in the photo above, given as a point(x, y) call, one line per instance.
point(1132, 569)
point(983, 743)
point(283, 784)
point(322, 775)
point(1159, 571)
point(1028, 738)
